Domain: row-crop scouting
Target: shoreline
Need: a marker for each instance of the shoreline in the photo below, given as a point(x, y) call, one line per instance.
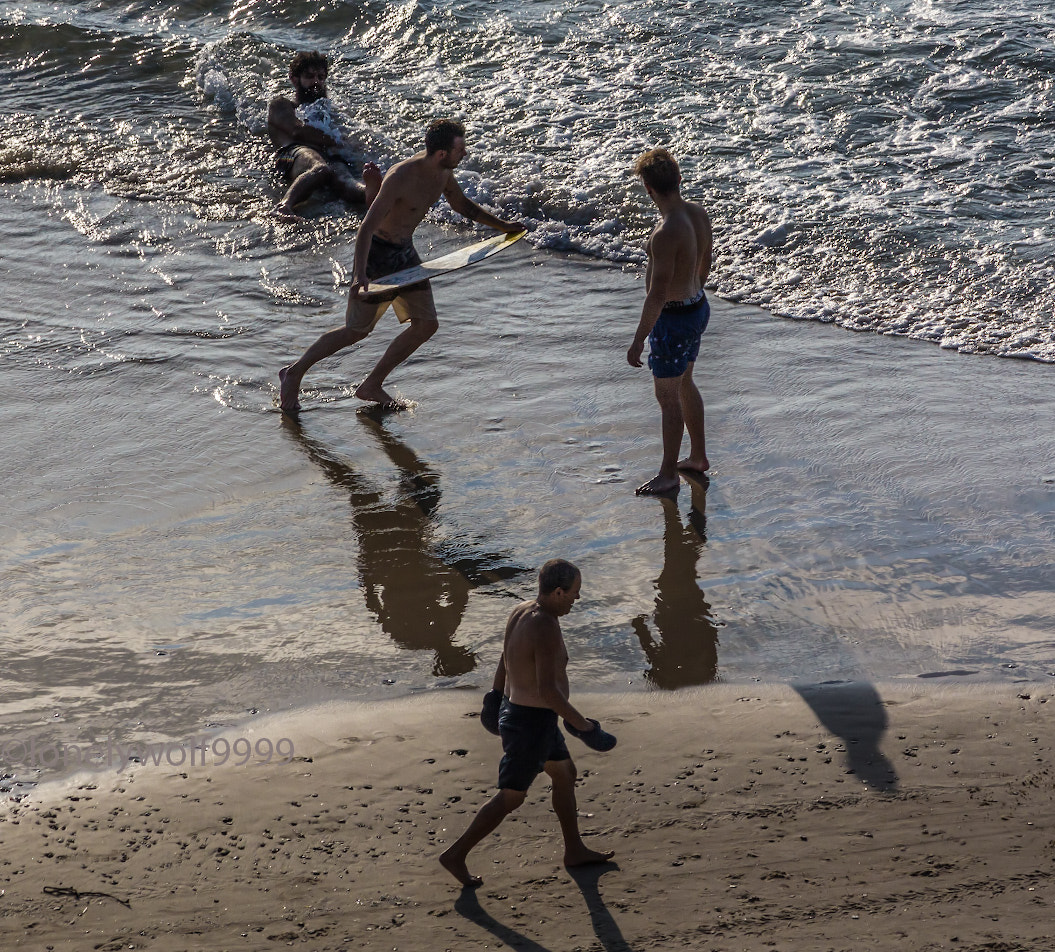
point(820, 816)
point(111, 758)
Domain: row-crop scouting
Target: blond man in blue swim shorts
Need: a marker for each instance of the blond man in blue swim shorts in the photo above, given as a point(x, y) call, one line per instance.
point(674, 317)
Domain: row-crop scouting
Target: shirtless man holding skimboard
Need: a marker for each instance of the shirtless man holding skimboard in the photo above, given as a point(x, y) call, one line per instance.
point(385, 245)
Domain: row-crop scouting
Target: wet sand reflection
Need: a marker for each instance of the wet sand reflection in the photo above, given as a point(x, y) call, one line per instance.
point(684, 650)
point(416, 591)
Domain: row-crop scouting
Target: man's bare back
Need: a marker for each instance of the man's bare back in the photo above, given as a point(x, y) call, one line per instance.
point(684, 237)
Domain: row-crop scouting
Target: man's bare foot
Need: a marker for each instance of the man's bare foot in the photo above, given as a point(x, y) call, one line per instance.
point(377, 395)
point(693, 465)
point(658, 485)
point(284, 213)
point(457, 868)
point(371, 182)
point(288, 391)
point(585, 857)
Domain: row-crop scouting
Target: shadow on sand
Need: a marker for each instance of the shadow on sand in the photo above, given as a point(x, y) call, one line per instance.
point(468, 906)
point(854, 712)
point(604, 925)
point(586, 878)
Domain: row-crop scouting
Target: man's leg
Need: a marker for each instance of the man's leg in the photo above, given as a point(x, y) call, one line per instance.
point(673, 426)
point(486, 822)
point(344, 183)
point(309, 172)
point(399, 350)
point(692, 412)
point(360, 319)
point(416, 305)
point(372, 178)
point(349, 189)
point(562, 774)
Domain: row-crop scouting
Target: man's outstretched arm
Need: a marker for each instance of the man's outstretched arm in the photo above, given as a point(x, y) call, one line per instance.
point(464, 205)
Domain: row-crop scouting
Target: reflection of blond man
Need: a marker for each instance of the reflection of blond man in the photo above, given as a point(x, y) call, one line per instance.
point(533, 674)
point(674, 316)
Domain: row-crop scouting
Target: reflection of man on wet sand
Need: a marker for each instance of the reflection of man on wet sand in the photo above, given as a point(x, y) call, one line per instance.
point(674, 316)
point(385, 245)
point(306, 155)
point(417, 592)
point(534, 673)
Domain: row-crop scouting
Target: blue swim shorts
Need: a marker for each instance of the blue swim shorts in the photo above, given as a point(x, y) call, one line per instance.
point(530, 737)
point(675, 340)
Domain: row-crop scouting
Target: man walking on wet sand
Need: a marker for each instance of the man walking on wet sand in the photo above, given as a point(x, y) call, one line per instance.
point(533, 674)
point(385, 245)
point(674, 316)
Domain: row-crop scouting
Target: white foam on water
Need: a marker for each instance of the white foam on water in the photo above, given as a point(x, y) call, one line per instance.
point(872, 130)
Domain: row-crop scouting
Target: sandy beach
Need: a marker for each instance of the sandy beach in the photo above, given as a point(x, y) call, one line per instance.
point(178, 558)
point(850, 816)
point(184, 567)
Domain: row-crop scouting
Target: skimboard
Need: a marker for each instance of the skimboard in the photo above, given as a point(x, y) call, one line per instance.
point(434, 267)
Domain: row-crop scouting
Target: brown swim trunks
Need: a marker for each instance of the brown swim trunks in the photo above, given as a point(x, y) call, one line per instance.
point(413, 302)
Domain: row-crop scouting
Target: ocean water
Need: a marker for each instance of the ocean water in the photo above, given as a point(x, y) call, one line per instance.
point(886, 166)
point(174, 556)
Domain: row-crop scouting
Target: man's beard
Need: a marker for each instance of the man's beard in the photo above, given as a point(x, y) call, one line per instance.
point(309, 94)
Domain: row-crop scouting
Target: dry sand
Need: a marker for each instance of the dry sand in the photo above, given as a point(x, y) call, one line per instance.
point(743, 817)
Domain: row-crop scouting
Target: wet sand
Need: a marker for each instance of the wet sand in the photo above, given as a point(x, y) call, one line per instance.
point(837, 817)
point(177, 556)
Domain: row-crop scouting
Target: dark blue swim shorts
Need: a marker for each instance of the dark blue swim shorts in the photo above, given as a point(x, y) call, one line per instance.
point(675, 340)
point(530, 737)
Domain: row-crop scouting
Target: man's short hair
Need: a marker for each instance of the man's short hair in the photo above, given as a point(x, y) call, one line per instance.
point(556, 573)
point(659, 171)
point(308, 59)
point(441, 134)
